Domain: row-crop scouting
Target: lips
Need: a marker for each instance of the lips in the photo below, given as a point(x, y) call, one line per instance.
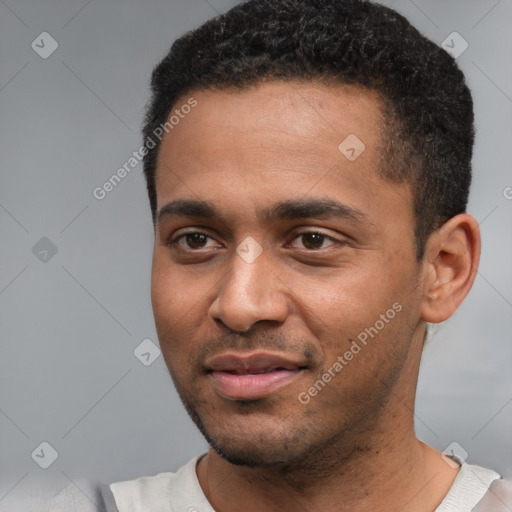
point(241, 376)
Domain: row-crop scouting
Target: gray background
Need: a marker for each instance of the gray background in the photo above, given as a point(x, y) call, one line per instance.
point(70, 323)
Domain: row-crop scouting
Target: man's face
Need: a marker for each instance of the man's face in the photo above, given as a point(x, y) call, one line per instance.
point(255, 303)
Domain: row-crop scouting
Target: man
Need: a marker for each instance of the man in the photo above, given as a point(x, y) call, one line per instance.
point(308, 166)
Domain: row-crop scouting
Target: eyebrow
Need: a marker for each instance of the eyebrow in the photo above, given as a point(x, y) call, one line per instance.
point(291, 209)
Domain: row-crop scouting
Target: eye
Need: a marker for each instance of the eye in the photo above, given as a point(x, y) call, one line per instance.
point(192, 241)
point(314, 240)
point(195, 241)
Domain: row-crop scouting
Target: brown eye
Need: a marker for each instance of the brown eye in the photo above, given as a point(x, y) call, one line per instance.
point(192, 241)
point(196, 240)
point(314, 240)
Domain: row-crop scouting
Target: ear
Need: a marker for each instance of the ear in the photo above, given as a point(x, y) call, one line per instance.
point(452, 254)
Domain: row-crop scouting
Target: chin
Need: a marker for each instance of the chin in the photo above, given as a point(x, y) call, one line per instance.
point(247, 454)
point(260, 441)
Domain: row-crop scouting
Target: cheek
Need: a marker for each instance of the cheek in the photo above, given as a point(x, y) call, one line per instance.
point(340, 306)
point(172, 297)
point(171, 306)
point(180, 305)
point(368, 321)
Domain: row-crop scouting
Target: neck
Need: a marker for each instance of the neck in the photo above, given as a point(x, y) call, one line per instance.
point(406, 475)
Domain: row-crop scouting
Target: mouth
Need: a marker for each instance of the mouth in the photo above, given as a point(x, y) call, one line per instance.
point(241, 376)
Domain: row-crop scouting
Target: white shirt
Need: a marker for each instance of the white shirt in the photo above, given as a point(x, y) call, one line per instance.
point(181, 492)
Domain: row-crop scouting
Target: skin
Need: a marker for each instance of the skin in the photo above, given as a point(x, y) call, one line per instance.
point(353, 445)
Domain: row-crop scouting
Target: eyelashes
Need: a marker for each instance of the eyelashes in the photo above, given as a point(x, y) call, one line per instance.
point(311, 239)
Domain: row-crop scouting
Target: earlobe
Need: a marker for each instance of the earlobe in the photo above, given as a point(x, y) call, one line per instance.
point(451, 262)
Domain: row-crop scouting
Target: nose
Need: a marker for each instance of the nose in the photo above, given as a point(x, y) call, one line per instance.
point(250, 293)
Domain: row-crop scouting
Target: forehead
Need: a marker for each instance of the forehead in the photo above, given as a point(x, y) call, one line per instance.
point(300, 116)
point(276, 139)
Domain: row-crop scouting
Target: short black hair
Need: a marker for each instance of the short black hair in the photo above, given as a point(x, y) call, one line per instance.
point(427, 106)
